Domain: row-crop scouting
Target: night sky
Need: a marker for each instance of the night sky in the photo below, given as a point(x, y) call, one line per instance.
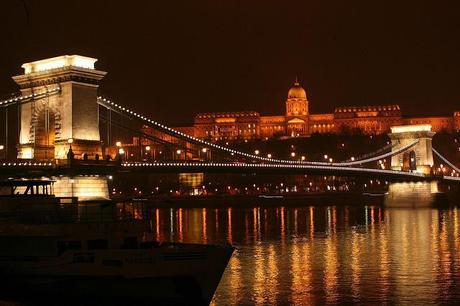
point(172, 59)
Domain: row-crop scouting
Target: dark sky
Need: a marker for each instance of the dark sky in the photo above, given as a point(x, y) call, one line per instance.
point(172, 59)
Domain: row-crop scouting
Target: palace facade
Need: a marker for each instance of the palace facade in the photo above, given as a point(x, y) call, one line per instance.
point(298, 122)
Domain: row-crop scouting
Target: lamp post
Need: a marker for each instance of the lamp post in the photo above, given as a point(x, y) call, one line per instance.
point(121, 152)
point(70, 154)
point(147, 151)
point(205, 151)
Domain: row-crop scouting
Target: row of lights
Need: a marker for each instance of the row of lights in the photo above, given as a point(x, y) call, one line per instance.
point(26, 164)
point(110, 104)
point(121, 151)
point(34, 95)
point(269, 156)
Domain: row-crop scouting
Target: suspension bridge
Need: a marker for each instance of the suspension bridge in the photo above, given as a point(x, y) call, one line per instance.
point(61, 119)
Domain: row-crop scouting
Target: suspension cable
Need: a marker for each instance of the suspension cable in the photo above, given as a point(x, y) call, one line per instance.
point(110, 104)
point(27, 98)
point(445, 160)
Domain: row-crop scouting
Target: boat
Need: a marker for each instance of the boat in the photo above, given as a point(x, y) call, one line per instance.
point(110, 259)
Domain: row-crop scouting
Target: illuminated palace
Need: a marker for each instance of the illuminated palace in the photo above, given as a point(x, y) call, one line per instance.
point(298, 122)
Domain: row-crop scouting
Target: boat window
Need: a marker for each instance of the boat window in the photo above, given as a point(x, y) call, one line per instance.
point(99, 244)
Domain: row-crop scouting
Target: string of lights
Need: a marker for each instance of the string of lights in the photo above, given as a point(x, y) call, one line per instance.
point(112, 105)
point(446, 161)
point(32, 96)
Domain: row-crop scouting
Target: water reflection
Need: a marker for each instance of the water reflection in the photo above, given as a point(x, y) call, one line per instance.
point(323, 255)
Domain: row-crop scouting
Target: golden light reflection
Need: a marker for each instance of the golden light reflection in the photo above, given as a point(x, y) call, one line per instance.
point(272, 273)
point(229, 227)
point(216, 214)
point(254, 225)
point(412, 256)
point(384, 264)
point(295, 221)
point(444, 255)
point(157, 223)
point(330, 281)
point(259, 234)
point(399, 253)
point(434, 242)
point(312, 222)
point(181, 234)
point(457, 240)
point(282, 226)
point(301, 274)
point(334, 219)
point(260, 277)
point(355, 265)
point(204, 225)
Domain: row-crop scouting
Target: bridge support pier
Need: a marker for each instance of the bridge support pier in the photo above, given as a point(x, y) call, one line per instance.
point(412, 194)
point(419, 158)
point(66, 110)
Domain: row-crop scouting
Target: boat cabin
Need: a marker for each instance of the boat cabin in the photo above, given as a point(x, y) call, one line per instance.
point(27, 188)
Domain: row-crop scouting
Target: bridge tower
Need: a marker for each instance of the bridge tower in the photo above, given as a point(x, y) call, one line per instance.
point(67, 116)
point(418, 158)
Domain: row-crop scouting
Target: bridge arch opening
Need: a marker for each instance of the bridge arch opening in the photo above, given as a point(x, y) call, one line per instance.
point(45, 134)
point(409, 161)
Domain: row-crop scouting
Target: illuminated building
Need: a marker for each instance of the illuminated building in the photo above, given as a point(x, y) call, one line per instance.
point(298, 122)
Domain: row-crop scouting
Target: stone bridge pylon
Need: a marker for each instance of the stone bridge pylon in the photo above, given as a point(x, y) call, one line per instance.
point(68, 116)
point(419, 158)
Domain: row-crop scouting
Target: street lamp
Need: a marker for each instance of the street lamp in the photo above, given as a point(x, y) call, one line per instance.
point(292, 154)
point(147, 148)
point(303, 157)
point(256, 152)
point(70, 154)
point(269, 155)
point(118, 143)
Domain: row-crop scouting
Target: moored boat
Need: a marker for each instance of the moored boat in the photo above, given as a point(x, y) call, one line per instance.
point(84, 252)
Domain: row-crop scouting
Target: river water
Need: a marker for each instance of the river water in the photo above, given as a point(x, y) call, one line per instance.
point(322, 255)
point(314, 255)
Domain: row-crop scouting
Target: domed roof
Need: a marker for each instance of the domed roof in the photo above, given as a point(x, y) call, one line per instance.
point(297, 92)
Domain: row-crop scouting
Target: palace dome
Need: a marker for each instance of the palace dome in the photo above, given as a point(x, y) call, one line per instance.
point(297, 92)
